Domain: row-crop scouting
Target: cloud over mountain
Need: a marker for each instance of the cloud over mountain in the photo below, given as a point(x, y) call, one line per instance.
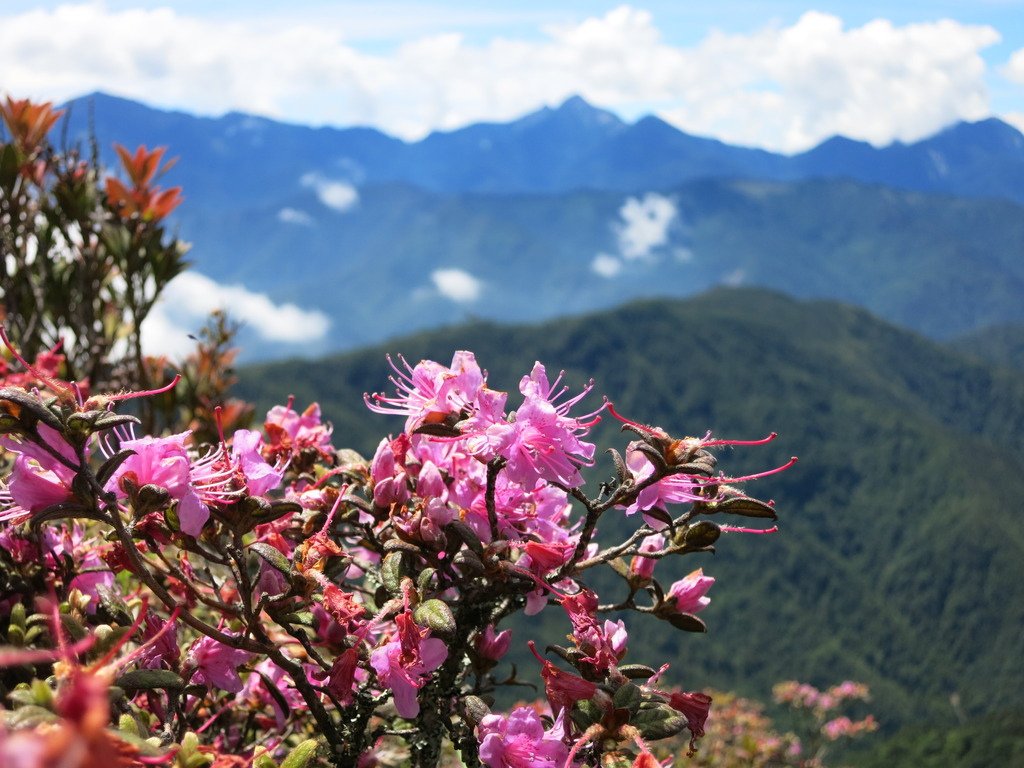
point(781, 87)
point(191, 297)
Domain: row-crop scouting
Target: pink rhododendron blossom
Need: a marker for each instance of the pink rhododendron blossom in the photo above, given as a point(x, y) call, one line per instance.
point(159, 461)
point(216, 665)
point(541, 441)
point(402, 663)
point(390, 483)
point(93, 575)
point(519, 740)
point(290, 432)
point(260, 477)
point(602, 645)
point(165, 463)
point(563, 689)
point(161, 652)
point(39, 479)
point(643, 567)
point(674, 489)
point(491, 645)
point(695, 707)
point(430, 392)
point(342, 677)
point(256, 695)
point(689, 592)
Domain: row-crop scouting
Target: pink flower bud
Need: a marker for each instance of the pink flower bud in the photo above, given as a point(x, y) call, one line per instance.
point(689, 592)
point(491, 645)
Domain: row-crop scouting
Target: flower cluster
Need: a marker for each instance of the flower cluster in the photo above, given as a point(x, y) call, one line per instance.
point(273, 597)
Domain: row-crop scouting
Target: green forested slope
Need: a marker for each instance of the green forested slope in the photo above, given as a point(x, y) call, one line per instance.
point(899, 558)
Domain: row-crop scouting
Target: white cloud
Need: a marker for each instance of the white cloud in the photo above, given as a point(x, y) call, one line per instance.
point(1013, 70)
point(782, 87)
point(338, 195)
point(801, 84)
point(606, 265)
point(645, 224)
point(294, 216)
point(189, 299)
point(1016, 119)
point(457, 285)
point(735, 278)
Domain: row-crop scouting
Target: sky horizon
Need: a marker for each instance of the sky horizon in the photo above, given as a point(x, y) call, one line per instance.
point(775, 74)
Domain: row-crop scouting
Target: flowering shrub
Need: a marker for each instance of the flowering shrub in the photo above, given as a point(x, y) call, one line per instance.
point(234, 597)
point(85, 254)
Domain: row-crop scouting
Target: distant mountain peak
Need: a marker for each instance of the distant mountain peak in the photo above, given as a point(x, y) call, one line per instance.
point(990, 132)
point(578, 108)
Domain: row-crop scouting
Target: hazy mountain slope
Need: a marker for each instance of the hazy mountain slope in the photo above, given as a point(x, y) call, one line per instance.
point(1000, 344)
point(939, 265)
point(573, 146)
point(558, 212)
point(899, 558)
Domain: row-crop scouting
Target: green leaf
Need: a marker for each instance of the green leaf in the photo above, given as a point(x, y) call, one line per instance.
point(301, 756)
point(436, 615)
point(273, 557)
point(392, 569)
point(701, 534)
point(637, 671)
point(628, 696)
point(658, 722)
point(150, 679)
point(276, 510)
point(746, 506)
point(467, 534)
point(686, 622)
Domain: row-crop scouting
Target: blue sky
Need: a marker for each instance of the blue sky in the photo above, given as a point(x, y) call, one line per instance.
point(773, 73)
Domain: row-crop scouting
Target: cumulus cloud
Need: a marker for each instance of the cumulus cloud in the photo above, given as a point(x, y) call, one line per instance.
point(781, 87)
point(606, 265)
point(337, 195)
point(457, 285)
point(294, 216)
point(645, 224)
point(1013, 70)
point(189, 299)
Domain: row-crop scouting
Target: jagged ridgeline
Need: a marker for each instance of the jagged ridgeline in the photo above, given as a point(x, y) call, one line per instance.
point(898, 562)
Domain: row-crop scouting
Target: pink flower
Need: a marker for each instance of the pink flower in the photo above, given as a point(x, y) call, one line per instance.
point(164, 462)
point(388, 475)
point(162, 653)
point(563, 689)
point(430, 392)
point(674, 489)
point(643, 567)
point(257, 696)
point(695, 707)
point(290, 432)
point(402, 663)
point(342, 676)
point(604, 645)
point(216, 665)
point(93, 575)
point(39, 479)
point(491, 645)
point(541, 441)
point(689, 592)
point(260, 477)
point(520, 740)
point(160, 461)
